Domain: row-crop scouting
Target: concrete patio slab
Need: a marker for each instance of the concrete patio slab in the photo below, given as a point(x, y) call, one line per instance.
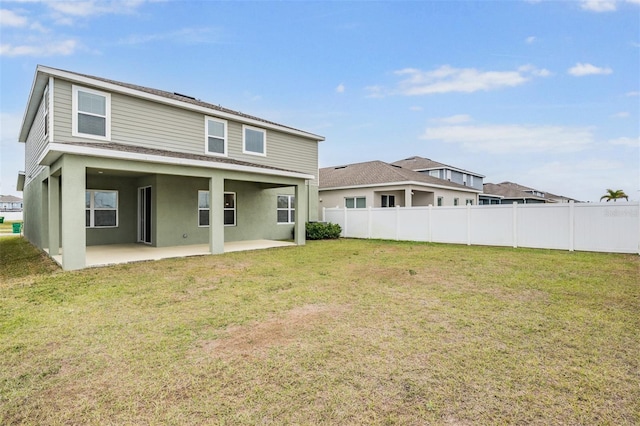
point(113, 254)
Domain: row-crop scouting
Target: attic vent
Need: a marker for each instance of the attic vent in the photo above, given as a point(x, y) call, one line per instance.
point(340, 167)
point(184, 96)
point(395, 165)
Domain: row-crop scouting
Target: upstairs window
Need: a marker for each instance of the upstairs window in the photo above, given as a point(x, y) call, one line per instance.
point(91, 113)
point(216, 136)
point(101, 209)
point(355, 202)
point(388, 201)
point(286, 208)
point(254, 141)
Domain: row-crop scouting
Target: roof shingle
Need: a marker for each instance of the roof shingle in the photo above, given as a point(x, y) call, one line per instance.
point(375, 173)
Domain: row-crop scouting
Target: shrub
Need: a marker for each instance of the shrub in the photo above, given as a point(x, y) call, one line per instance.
point(322, 230)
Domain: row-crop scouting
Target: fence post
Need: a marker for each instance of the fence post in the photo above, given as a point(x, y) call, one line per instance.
point(369, 222)
point(429, 237)
point(572, 220)
point(397, 222)
point(468, 224)
point(345, 222)
point(515, 224)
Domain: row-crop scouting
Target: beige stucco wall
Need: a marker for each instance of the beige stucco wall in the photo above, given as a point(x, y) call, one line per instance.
point(422, 196)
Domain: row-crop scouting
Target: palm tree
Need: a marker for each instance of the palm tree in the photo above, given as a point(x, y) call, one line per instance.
point(614, 195)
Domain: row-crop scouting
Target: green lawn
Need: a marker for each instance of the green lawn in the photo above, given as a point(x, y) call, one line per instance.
point(335, 332)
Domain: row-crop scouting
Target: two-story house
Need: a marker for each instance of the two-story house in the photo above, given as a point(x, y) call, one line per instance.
point(378, 184)
point(442, 171)
point(115, 163)
point(510, 192)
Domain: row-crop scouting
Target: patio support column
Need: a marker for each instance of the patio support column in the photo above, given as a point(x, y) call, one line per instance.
point(53, 189)
point(408, 199)
point(74, 232)
point(216, 214)
point(301, 213)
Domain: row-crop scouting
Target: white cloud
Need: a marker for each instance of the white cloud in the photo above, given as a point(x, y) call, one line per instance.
point(375, 91)
point(447, 79)
point(599, 5)
point(340, 88)
point(64, 48)
point(580, 70)
point(94, 7)
point(11, 19)
point(184, 35)
point(416, 108)
point(502, 139)
point(454, 119)
point(632, 94)
point(624, 141)
point(530, 40)
point(621, 114)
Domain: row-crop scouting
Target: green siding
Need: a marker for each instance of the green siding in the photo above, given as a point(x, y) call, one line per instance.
point(140, 122)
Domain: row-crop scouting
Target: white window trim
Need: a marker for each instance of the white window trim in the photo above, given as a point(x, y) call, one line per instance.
point(206, 137)
point(92, 209)
point(201, 208)
point(388, 199)
point(46, 112)
point(235, 207)
point(290, 207)
point(244, 144)
point(74, 117)
point(355, 202)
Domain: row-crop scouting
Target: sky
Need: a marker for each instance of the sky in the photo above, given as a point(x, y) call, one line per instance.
point(542, 93)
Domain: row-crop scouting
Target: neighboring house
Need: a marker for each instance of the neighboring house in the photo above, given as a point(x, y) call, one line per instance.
point(485, 199)
point(10, 203)
point(442, 171)
point(112, 163)
point(510, 193)
point(379, 184)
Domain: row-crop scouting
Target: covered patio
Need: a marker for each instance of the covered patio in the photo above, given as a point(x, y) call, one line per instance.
point(113, 254)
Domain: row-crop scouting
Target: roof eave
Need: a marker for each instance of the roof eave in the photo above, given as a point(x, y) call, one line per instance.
point(55, 150)
point(40, 81)
point(416, 183)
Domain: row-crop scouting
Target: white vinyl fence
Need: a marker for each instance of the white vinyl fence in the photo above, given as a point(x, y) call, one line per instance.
point(602, 227)
point(11, 216)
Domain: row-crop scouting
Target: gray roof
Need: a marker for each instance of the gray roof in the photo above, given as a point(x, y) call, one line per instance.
point(377, 173)
point(174, 154)
point(10, 199)
point(41, 80)
point(180, 97)
point(511, 190)
point(421, 163)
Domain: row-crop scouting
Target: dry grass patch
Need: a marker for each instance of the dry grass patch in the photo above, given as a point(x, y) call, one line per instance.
point(257, 339)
